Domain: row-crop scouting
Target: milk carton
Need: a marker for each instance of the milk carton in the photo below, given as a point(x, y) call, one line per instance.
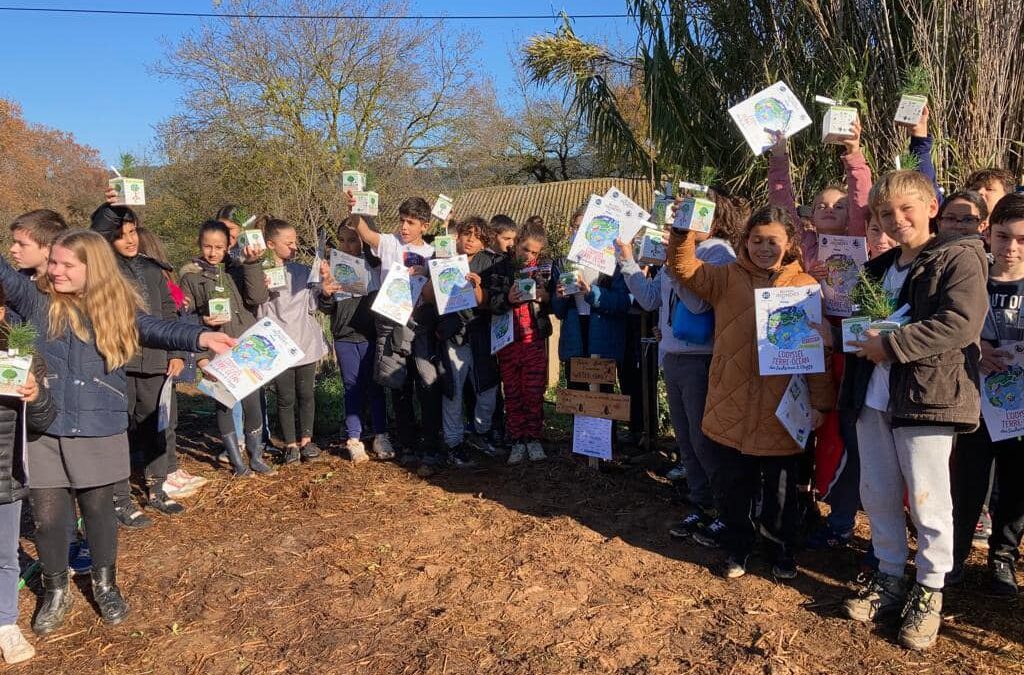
point(695, 214)
point(366, 203)
point(853, 331)
point(838, 124)
point(353, 181)
point(252, 238)
point(219, 308)
point(527, 287)
point(910, 109)
point(276, 277)
point(14, 370)
point(652, 247)
point(444, 246)
point(570, 279)
point(442, 207)
point(130, 191)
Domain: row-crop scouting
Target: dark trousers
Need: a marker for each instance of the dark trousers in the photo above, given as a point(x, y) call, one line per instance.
point(844, 493)
point(252, 416)
point(148, 447)
point(50, 508)
point(355, 361)
point(741, 479)
point(295, 390)
point(404, 401)
point(970, 469)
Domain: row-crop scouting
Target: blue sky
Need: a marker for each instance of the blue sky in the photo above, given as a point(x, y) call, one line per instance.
point(89, 74)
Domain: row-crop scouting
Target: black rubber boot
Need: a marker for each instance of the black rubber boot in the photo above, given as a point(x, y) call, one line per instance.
point(254, 442)
point(230, 442)
point(56, 603)
point(113, 608)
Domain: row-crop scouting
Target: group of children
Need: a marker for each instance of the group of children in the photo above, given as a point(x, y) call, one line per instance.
point(897, 420)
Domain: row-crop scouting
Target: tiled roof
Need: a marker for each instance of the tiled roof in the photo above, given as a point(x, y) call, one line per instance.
point(555, 202)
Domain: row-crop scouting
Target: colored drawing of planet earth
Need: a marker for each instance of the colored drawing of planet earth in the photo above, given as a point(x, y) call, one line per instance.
point(788, 327)
point(602, 232)
point(772, 114)
point(344, 274)
point(256, 352)
point(501, 329)
point(841, 272)
point(400, 292)
point(449, 279)
point(1005, 390)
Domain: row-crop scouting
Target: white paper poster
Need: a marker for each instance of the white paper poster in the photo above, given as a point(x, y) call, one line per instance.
point(1002, 396)
point(843, 258)
point(592, 436)
point(795, 410)
point(786, 341)
point(604, 221)
point(632, 208)
point(163, 410)
point(502, 331)
point(398, 294)
point(452, 291)
point(773, 109)
point(351, 273)
point(321, 255)
point(263, 352)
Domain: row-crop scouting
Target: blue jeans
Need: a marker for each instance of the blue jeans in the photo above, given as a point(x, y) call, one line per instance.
point(355, 361)
point(10, 529)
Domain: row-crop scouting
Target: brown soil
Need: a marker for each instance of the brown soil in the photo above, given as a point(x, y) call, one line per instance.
point(551, 568)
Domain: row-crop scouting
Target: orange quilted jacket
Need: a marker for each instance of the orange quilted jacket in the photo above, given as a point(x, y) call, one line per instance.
point(741, 404)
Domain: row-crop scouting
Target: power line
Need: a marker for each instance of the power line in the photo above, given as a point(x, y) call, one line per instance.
point(351, 17)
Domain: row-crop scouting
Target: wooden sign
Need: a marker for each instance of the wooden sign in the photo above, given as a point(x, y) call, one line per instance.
point(593, 404)
point(592, 370)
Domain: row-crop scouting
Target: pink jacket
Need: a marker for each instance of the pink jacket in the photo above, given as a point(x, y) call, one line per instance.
point(858, 185)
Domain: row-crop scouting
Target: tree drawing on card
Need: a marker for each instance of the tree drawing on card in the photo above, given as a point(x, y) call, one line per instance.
point(842, 258)
point(1002, 396)
point(452, 291)
point(787, 343)
point(772, 110)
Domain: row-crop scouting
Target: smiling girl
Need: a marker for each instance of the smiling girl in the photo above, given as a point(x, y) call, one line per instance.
point(739, 415)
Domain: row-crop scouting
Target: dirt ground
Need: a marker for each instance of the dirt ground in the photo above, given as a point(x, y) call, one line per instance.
point(550, 568)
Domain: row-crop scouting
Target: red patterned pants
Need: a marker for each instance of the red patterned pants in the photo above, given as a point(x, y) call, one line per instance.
point(524, 375)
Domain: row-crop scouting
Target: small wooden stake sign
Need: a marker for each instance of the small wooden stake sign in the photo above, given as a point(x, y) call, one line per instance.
point(593, 404)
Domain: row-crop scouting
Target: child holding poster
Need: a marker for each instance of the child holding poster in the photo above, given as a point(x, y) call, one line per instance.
point(752, 445)
point(524, 362)
point(352, 326)
point(913, 388)
point(217, 278)
point(999, 439)
point(466, 344)
point(294, 306)
point(406, 354)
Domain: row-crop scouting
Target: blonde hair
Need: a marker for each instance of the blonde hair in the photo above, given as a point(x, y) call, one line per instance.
point(899, 183)
point(105, 309)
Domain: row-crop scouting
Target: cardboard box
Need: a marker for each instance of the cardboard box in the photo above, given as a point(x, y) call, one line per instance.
point(219, 308)
point(694, 214)
point(527, 287)
point(14, 371)
point(366, 204)
point(442, 207)
point(252, 238)
point(664, 212)
point(570, 280)
point(353, 181)
point(838, 124)
point(130, 191)
point(652, 249)
point(444, 246)
point(276, 277)
point(910, 109)
point(853, 331)
point(890, 324)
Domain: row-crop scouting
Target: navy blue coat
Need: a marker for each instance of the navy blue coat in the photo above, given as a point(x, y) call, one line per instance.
point(90, 400)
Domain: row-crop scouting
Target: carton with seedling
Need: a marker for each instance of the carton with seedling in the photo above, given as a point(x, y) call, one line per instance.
point(130, 191)
point(442, 207)
point(16, 361)
point(367, 203)
point(353, 181)
point(875, 310)
point(913, 97)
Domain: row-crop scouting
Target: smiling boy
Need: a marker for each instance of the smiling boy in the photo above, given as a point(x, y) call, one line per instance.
point(913, 389)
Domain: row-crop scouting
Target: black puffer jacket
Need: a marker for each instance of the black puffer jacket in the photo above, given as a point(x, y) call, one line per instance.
point(40, 415)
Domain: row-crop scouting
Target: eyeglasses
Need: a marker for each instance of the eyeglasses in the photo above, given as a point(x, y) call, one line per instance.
point(969, 221)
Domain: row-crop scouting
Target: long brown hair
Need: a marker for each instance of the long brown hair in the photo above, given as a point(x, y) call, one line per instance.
point(105, 309)
point(767, 215)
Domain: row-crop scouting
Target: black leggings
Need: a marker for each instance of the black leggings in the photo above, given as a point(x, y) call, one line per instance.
point(296, 384)
point(252, 416)
point(50, 508)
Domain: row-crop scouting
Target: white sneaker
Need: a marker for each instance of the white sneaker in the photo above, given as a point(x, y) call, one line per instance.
point(14, 645)
point(180, 483)
point(535, 451)
point(517, 454)
point(194, 481)
point(382, 447)
point(356, 450)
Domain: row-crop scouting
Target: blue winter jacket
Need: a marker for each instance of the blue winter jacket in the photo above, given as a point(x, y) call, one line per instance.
point(609, 304)
point(90, 400)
